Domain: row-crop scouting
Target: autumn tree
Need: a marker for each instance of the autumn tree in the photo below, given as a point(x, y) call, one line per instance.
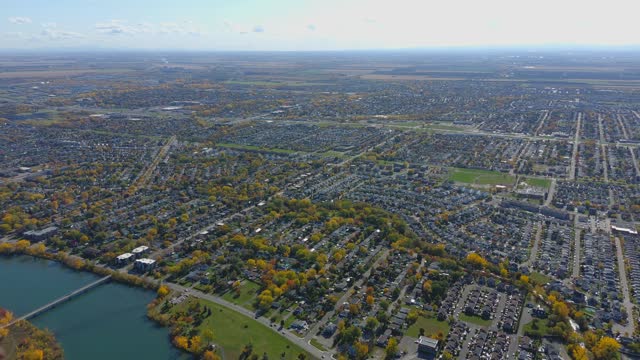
point(560, 309)
point(35, 354)
point(578, 352)
point(163, 291)
point(477, 261)
point(5, 318)
point(181, 342)
point(207, 335)
point(210, 355)
point(196, 344)
point(392, 348)
point(362, 350)
point(370, 300)
point(607, 348)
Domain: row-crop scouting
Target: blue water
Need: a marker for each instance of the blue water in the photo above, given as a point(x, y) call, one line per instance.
point(106, 323)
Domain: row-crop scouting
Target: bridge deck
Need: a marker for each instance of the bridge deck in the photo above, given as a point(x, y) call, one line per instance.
point(52, 304)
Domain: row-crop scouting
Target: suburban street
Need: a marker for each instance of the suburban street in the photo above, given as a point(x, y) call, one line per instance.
point(628, 305)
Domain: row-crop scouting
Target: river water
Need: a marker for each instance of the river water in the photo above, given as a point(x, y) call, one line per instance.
point(106, 323)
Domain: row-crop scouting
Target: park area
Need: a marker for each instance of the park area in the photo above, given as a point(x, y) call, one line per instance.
point(233, 332)
point(480, 177)
point(431, 327)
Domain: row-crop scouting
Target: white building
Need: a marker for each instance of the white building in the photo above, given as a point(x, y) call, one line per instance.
point(144, 265)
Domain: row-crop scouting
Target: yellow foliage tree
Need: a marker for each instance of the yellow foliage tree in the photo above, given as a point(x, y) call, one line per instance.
point(5, 318)
point(476, 260)
point(196, 344)
point(561, 309)
point(163, 291)
point(392, 348)
point(35, 354)
point(578, 352)
point(181, 342)
point(22, 245)
point(210, 355)
point(607, 348)
point(362, 350)
point(370, 300)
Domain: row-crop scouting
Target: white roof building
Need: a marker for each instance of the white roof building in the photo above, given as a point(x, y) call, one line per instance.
point(140, 250)
point(124, 257)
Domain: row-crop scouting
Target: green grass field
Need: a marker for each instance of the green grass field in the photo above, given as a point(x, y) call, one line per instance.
point(539, 330)
point(248, 292)
point(537, 182)
point(539, 278)
point(474, 320)
point(233, 331)
point(480, 177)
point(431, 327)
point(317, 344)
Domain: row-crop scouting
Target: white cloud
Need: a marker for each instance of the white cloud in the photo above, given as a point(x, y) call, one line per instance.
point(120, 27)
point(51, 31)
point(19, 20)
point(181, 28)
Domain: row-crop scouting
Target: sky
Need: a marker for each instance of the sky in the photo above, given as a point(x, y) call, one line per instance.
point(287, 25)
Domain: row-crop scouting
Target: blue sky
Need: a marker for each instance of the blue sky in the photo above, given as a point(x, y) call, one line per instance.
point(314, 24)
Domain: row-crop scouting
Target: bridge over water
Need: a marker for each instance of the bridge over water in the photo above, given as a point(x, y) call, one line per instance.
point(58, 301)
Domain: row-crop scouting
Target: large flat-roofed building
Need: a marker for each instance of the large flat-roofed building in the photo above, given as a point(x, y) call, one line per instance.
point(139, 250)
point(427, 345)
point(144, 265)
point(124, 258)
point(40, 235)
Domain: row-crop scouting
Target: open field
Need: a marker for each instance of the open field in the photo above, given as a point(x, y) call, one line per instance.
point(537, 182)
point(474, 320)
point(480, 177)
point(539, 277)
point(536, 328)
point(233, 331)
point(248, 291)
point(431, 327)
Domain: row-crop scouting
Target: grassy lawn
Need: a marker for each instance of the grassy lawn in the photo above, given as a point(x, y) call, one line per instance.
point(441, 126)
point(332, 153)
point(474, 320)
point(431, 327)
point(289, 321)
point(480, 177)
point(317, 344)
point(539, 277)
point(538, 182)
point(232, 331)
point(541, 330)
point(248, 292)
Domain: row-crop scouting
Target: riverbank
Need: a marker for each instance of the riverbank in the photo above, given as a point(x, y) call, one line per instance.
point(24, 247)
point(26, 341)
point(257, 331)
point(198, 324)
point(105, 323)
